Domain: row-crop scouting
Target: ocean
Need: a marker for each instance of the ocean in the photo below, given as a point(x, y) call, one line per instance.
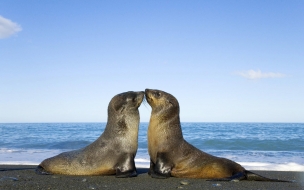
point(256, 146)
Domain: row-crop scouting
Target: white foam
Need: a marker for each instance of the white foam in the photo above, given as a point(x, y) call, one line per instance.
point(272, 166)
point(25, 157)
point(142, 163)
point(142, 160)
point(18, 163)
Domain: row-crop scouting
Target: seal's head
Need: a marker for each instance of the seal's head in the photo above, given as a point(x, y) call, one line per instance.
point(126, 102)
point(123, 112)
point(162, 103)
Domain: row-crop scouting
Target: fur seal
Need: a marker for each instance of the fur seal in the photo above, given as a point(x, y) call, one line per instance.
point(113, 152)
point(171, 155)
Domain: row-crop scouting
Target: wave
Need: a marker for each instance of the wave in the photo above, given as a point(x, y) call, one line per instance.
point(249, 144)
point(67, 144)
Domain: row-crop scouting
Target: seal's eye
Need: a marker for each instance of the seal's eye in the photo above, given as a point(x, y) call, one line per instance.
point(157, 94)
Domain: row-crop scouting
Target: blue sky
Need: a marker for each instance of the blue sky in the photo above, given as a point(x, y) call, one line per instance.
point(225, 61)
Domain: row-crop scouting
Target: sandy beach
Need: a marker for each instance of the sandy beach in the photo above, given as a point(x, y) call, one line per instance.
point(24, 177)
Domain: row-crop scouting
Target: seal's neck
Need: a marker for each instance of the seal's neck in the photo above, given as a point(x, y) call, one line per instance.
point(164, 128)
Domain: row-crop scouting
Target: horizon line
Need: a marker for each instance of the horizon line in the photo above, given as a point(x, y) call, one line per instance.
point(148, 122)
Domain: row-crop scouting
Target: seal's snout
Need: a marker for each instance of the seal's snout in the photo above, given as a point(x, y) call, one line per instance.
point(147, 91)
point(148, 95)
point(140, 96)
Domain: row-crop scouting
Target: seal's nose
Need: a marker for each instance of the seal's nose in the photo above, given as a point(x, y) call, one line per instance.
point(147, 91)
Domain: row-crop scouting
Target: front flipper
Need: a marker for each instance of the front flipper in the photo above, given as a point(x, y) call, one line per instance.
point(162, 168)
point(126, 166)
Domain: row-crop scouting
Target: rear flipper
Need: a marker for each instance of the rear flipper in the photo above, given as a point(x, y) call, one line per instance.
point(41, 171)
point(255, 177)
point(247, 175)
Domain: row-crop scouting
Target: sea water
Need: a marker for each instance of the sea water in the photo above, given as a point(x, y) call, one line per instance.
point(256, 146)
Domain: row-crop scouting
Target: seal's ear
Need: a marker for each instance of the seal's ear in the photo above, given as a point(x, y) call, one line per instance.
point(119, 106)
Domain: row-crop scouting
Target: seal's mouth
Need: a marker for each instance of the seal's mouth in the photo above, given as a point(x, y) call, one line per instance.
point(149, 99)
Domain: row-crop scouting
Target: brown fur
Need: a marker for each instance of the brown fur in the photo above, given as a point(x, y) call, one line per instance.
point(165, 138)
point(113, 152)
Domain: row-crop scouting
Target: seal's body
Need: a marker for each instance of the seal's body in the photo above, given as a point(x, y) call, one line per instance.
point(171, 155)
point(113, 152)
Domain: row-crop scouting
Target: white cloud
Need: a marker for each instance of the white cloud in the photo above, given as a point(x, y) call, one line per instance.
point(251, 74)
point(8, 28)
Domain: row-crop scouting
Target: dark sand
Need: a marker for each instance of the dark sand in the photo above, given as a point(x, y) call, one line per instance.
point(24, 177)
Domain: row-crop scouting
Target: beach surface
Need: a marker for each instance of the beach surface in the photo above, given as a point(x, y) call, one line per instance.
point(24, 177)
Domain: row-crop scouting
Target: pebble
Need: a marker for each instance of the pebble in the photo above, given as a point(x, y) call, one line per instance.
point(235, 180)
point(216, 185)
point(84, 180)
point(184, 182)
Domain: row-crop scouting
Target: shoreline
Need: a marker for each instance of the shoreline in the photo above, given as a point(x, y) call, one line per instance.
point(24, 177)
point(252, 166)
